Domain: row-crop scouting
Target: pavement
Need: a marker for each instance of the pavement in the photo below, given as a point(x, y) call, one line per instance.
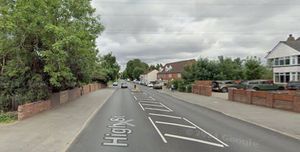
point(152, 121)
point(53, 130)
point(281, 121)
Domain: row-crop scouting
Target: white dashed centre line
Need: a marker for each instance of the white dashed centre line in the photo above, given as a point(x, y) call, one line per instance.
point(158, 131)
point(206, 132)
point(134, 97)
point(152, 98)
point(161, 115)
point(195, 140)
point(175, 124)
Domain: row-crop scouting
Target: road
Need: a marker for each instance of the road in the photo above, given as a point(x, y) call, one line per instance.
point(149, 121)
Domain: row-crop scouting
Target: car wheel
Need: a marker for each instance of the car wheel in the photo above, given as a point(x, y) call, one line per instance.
point(281, 88)
point(255, 88)
point(224, 90)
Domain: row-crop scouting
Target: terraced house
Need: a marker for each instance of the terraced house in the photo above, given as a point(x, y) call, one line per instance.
point(285, 60)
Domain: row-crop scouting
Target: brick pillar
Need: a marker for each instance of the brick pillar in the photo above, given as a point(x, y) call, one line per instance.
point(231, 94)
point(296, 103)
point(248, 97)
point(270, 100)
point(209, 89)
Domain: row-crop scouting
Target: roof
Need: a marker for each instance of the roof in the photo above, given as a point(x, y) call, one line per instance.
point(177, 67)
point(293, 44)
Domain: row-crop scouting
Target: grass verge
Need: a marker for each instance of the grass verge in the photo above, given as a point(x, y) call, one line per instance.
point(8, 117)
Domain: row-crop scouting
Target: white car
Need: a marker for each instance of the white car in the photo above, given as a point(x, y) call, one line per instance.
point(150, 85)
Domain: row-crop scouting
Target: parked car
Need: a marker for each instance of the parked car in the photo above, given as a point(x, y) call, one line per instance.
point(259, 85)
point(150, 85)
point(115, 84)
point(158, 85)
point(124, 85)
point(293, 85)
point(222, 85)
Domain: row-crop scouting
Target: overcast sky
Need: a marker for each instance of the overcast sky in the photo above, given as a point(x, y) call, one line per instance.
point(160, 31)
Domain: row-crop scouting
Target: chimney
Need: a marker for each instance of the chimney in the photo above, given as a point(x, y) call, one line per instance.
point(291, 38)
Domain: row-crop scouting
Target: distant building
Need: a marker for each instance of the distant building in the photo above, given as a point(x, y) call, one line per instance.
point(172, 71)
point(149, 77)
point(285, 60)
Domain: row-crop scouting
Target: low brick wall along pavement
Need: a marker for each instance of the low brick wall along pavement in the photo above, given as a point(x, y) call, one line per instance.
point(31, 109)
point(279, 100)
point(56, 99)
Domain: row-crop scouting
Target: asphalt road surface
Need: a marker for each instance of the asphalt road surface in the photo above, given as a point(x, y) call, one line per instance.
point(149, 121)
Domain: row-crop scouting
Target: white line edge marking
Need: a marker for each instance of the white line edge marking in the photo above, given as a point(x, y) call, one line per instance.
point(175, 124)
point(206, 132)
point(167, 107)
point(160, 134)
point(142, 107)
point(134, 97)
point(196, 140)
point(158, 109)
point(161, 115)
point(154, 105)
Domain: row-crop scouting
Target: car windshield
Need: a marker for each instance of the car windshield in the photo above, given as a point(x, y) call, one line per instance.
point(149, 75)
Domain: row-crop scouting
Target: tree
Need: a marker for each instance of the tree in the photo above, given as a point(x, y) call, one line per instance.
point(134, 68)
point(253, 68)
point(46, 45)
point(109, 66)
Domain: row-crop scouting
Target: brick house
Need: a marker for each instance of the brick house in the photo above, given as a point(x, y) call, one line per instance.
point(285, 60)
point(172, 71)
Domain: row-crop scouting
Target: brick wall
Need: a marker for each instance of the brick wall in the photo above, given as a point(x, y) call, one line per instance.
point(31, 109)
point(56, 99)
point(202, 88)
point(284, 100)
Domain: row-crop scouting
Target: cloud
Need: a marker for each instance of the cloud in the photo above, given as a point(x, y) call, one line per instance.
point(161, 31)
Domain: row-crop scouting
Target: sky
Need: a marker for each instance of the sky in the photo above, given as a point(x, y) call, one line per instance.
point(162, 31)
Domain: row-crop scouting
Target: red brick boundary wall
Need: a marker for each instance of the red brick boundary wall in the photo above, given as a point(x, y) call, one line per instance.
point(56, 99)
point(286, 100)
point(31, 109)
point(202, 88)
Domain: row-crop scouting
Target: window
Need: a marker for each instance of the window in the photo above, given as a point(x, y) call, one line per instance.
point(294, 60)
point(253, 82)
point(287, 60)
point(276, 62)
point(277, 77)
point(281, 77)
point(281, 61)
point(287, 77)
point(298, 76)
point(293, 77)
point(179, 75)
point(298, 59)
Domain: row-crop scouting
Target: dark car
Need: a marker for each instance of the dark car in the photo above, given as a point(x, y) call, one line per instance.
point(293, 85)
point(223, 85)
point(124, 85)
point(259, 85)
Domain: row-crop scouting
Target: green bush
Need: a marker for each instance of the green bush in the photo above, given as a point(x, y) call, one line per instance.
point(189, 88)
point(7, 117)
point(181, 86)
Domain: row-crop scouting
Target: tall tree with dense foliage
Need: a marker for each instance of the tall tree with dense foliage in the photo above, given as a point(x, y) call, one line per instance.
point(46, 45)
point(111, 68)
point(134, 68)
point(254, 69)
point(226, 69)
